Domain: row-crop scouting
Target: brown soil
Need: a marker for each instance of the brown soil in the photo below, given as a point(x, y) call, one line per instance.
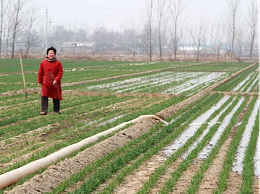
point(210, 179)
point(55, 174)
point(149, 95)
point(160, 183)
point(234, 183)
point(39, 135)
point(256, 185)
point(135, 181)
point(186, 178)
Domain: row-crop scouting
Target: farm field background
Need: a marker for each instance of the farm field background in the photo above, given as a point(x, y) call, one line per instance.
point(206, 144)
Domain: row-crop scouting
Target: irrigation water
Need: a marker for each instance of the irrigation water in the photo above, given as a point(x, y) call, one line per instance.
point(205, 152)
point(237, 88)
point(238, 163)
point(212, 122)
point(193, 127)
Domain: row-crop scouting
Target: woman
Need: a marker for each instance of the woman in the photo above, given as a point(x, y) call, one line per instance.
point(49, 78)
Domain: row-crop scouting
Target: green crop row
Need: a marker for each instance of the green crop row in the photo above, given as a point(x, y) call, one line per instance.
point(82, 71)
point(197, 178)
point(183, 166)
point(161, 134)
point(155, 107)
point(231, 153)
point(64, 122)
point(248, 175)
point(79, 136)
point(250, 82)
point(228, 86)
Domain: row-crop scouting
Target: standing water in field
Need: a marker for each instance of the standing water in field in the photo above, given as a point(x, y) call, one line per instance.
point(241, 83)
point(202, 78)
point(257, 154)
point(257, 159)
point(205, 152)
point(238, 163)
point(248, 85)
point(193, 127)
point(210, 124)
point(250, 88)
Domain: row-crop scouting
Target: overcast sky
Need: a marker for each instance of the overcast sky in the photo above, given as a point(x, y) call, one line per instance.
point(117, 14)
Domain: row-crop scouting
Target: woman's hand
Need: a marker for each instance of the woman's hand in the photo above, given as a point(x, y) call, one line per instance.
point(54, 82)
point(39, 84)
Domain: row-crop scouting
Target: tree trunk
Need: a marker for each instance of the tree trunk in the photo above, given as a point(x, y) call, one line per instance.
point(1, 26)
point(15, 27)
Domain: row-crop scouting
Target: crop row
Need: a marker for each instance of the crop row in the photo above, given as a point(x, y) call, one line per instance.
point(165, 83)
point(211, 127)
point(233, 67)
point(236, 81)
point(115, 166)
point(248, 84)
point(76, 71)
point(208, 102)
point(11, 80)
point(81, 117)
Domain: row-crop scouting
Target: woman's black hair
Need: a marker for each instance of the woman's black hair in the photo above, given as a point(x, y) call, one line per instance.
point(51, 48)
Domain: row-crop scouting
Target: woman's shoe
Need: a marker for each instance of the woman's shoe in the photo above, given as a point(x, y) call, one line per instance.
point(43, 113)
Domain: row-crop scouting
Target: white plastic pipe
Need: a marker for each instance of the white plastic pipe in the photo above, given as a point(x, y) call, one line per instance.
point(15, 175)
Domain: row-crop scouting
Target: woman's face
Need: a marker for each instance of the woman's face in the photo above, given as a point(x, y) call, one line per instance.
point(51, 54)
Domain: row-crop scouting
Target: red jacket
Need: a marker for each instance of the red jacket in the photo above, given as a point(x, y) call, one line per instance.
point(48, 72)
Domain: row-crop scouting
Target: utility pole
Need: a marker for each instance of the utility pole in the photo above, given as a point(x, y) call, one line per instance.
point(46, 28)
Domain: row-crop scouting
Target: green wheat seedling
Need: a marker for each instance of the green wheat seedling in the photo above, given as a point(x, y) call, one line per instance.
point(248, 162)
point(156, 149)
point(231, 153)
point(250, 82)
point(184, 165)
point(153, 179)
point(90, 185)
point(97, 164)
point(197, 178)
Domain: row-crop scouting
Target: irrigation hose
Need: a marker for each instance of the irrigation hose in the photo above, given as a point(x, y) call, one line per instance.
point(13, 176)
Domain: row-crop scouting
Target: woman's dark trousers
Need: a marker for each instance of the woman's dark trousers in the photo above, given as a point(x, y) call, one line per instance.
point(56, 104)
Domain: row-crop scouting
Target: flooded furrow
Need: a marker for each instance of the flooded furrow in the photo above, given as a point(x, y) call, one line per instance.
point(205, 152)
point(211, 122)
point(193, 127)
point(238, 87)
point(257, 159)
point(238, 163)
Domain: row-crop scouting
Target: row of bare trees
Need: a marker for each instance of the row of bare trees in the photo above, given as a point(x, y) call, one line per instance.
point(17, 19)
point(165, 23)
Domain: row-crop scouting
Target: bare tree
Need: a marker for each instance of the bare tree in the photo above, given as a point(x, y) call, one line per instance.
point(130, 36)
point(253, 25)
point(161, 11)
point(2, 11)
point(1, 23)
point(8, 26)
point(239, 44)
point(18, 6)
point(29, 31)
point(199, 34)
point(177, 8)
point(82, 35)
point(217, 39)
point(233, 6)
point(147, 37)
